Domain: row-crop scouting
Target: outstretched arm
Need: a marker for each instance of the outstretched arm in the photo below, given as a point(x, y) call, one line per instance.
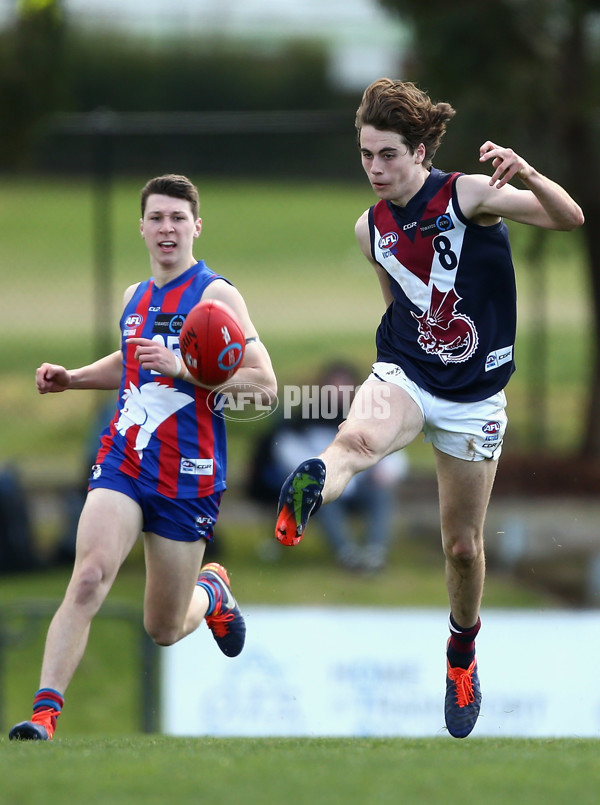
point(543, 203)
point(104, 373)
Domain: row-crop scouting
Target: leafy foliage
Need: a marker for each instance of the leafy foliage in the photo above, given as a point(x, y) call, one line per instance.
point(524, 74)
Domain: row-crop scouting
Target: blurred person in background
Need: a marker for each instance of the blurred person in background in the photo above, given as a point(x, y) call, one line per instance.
point(161, 465)
point(440, 250)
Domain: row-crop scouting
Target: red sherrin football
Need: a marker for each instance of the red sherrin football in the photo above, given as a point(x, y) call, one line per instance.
point(212, 342)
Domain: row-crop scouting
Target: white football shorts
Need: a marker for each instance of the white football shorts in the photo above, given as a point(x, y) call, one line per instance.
point(472, 431)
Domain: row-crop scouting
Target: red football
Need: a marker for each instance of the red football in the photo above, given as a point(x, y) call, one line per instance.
point(212, 342)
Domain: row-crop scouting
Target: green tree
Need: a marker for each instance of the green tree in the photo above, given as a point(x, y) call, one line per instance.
point(30, 76)
point(524, 73)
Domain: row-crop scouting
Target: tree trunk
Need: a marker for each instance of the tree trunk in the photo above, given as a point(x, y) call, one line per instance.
point(590, 443)
point(575, 119)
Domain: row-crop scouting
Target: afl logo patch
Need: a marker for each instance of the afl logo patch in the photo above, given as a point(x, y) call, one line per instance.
point(135, 320)
point(491, 427)
point(388, 240)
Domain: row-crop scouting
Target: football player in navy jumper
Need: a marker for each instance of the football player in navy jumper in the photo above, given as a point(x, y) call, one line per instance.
point(439, 247)
point(161, 465)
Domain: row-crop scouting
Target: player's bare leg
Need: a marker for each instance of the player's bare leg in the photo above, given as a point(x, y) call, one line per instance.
point(173, 608)
point(464, 491)
point(181, 593)
point(108, 528)
point(383, 418)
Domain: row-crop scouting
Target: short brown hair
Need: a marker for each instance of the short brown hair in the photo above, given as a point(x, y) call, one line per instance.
point(402, 107)
point(171, 184)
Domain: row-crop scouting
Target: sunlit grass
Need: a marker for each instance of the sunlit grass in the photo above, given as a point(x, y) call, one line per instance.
point(305, 771)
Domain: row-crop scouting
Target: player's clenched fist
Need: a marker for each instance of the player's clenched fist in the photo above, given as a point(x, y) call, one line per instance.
point(50, 378)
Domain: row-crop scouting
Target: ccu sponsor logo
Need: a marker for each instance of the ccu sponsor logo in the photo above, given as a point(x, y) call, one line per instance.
point(491, 427)
point(388, 240)
point(498, 358)
point(196, 466)
point(134, 320)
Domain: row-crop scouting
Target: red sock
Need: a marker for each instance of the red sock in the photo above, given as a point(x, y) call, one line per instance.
point(461, 646)
point(47, 701)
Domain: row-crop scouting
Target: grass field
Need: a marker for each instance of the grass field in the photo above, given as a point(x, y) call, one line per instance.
point(301, 772)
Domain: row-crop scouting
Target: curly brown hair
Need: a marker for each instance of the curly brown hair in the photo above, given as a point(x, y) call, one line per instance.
point(402, 107)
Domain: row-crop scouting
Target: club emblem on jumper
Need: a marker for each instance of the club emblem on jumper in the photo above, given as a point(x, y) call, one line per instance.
point(148, 407)
point(443, 331)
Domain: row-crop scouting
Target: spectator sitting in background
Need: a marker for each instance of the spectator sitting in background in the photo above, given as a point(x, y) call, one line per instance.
point(369, 498)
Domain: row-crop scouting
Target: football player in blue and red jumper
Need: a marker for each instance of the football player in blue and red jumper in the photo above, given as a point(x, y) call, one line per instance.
point(161, 465)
